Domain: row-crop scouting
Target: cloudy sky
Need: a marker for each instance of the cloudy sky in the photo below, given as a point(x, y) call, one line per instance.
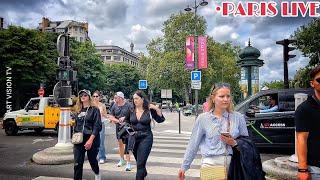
point(118, 22)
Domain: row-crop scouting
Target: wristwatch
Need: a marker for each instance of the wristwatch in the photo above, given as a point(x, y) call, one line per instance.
point(303, 170)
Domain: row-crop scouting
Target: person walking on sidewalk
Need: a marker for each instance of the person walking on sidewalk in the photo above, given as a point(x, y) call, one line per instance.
point(119, 111)
point(88, 121)
point(141, 142)
point(307, 120)
point(103, 111)
point(215, 131)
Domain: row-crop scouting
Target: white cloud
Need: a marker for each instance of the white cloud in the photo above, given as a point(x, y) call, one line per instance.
point(108, 42)
point(234, 35)
point(221, 33)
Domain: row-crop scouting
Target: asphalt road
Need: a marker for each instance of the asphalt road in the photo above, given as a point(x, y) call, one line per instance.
point(16, 152)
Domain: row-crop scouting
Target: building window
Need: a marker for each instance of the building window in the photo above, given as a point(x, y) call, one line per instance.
point(109, 50)
point(116, 58)
point(102, 58)
point(108, 58)
point(81, 29)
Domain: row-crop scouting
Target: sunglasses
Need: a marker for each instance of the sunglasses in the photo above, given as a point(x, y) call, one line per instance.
point(95, 96)
point(83, 95)
point(318, 80)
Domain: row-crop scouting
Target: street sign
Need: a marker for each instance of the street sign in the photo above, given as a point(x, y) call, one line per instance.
point(196, 80)
point(166, 93)
point(196, 85)
point(143, 84)
point(41, 92)
point(195, 75)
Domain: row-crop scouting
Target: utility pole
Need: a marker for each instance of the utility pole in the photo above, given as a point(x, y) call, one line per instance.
point(195, 7)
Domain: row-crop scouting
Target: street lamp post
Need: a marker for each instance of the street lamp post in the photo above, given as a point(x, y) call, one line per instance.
point(188, 8)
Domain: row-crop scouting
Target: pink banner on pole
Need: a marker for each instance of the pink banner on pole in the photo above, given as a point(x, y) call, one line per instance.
point(189, 53)
point(202, 52)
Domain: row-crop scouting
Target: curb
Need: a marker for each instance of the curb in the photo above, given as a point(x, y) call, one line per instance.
point(280, 168)
point(54, 156)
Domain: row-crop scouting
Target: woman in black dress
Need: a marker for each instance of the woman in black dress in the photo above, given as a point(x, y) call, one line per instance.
point(140, 119)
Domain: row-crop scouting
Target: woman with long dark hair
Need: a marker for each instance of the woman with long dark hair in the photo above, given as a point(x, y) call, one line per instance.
point(140, 119)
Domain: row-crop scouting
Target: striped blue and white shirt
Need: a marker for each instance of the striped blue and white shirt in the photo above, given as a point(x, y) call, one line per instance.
point(206, 135)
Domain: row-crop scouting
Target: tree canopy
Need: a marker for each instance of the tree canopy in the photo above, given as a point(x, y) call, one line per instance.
point(308, 42)
point(164, 68)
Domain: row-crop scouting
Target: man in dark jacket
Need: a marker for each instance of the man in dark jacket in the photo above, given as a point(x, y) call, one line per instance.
point(245, 162)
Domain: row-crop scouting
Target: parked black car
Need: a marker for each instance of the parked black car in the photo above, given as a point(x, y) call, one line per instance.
point(272, 129)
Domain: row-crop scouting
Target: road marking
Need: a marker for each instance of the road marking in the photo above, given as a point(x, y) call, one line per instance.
point(50, 178)
point(155, 159)
point(166, 157)
point(169, 145)
point(154, 170)
point(171, 137)
point(42, 140)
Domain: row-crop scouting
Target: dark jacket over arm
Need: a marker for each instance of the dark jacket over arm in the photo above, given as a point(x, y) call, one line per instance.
point(245, 162)
point(156, 117)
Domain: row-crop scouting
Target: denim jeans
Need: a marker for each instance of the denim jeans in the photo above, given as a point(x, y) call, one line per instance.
point(315, 172)
point(102, 148)
point(79, 154)
point(141, 153)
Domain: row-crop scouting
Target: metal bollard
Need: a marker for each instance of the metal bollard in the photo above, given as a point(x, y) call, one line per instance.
point(179, 121)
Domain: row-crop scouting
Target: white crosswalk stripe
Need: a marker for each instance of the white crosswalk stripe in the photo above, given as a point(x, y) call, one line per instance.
point(165, 158)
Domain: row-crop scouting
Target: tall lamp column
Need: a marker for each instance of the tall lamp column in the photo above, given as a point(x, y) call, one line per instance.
point(202, 3)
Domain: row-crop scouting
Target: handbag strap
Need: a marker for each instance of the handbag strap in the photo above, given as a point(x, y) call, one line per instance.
point(85, 119)
point(154, 124)
point(226, 151)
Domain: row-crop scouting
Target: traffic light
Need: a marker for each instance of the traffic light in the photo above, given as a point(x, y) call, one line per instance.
point(63, 62)
point(286, 56)
point(66, 75)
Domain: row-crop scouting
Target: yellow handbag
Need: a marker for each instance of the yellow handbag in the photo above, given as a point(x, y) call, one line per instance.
point(213, 172)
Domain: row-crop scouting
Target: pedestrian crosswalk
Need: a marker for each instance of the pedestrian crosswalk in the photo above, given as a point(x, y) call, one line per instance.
point(165, 158)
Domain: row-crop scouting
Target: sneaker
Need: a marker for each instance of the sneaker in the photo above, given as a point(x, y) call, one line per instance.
point(121, 163)
point(102, 161)
point(128, 167)
point(97, 177)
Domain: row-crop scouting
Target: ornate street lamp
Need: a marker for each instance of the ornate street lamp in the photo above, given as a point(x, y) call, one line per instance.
point(188, 8)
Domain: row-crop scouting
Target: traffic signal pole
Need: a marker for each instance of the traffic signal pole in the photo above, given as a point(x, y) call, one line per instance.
point(286, 56)
point(62, 152)
point(65, 76)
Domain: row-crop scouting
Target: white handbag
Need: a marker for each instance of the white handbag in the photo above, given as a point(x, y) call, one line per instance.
point(77, 138)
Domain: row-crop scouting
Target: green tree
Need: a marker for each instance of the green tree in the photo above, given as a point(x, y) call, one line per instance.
point(32, 56)
point(274, 84)
point(122, 77)
point(308, 42)
point(164, 68)
point(91, 70)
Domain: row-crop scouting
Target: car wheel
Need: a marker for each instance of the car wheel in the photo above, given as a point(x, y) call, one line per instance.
point(11, 128)
point(57, 128)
